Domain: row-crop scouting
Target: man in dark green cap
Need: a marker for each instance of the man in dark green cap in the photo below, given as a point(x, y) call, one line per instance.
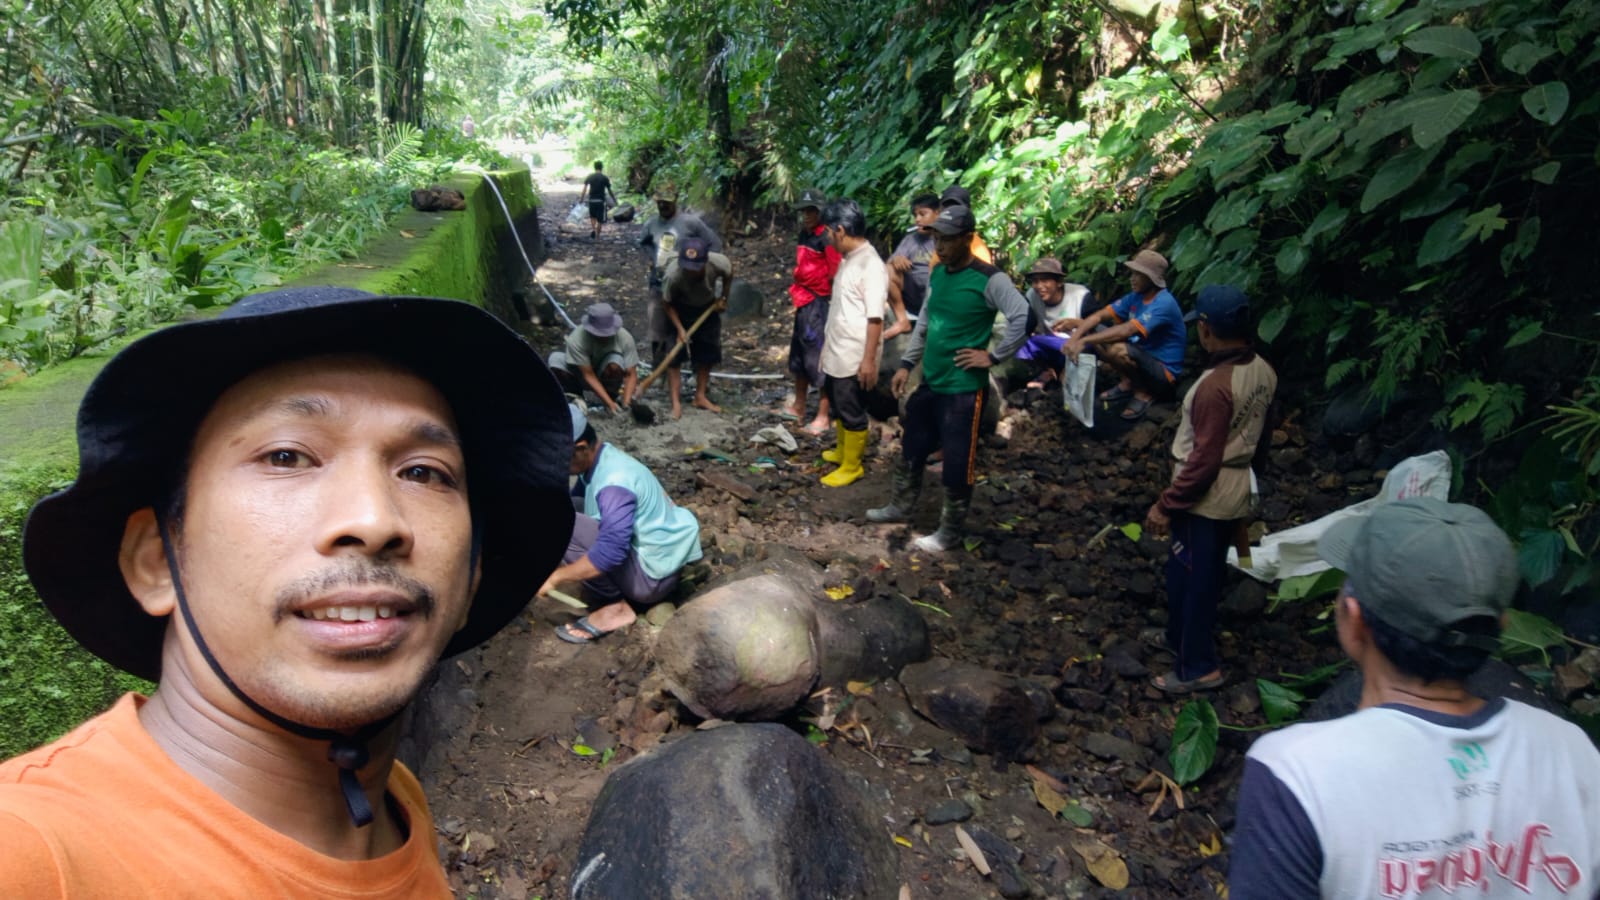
point(1427, 790)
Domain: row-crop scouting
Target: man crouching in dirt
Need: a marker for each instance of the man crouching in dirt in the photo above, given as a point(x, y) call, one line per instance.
point(950, 341)
point(630, 543)
point(283, 516)
point(659, 239)
point(1224, 418)
point(1427, 790)
point(605, 356)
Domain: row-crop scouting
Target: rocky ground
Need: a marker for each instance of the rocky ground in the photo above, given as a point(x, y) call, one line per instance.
point(1049, 589)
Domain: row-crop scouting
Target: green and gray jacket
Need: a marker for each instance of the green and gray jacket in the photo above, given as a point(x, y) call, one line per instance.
point(960, 313)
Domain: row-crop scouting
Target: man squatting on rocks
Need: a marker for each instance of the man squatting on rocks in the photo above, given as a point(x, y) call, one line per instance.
point(1141, 335)
point(605, 356)
point(659, 239)
point(1050, 299)
point(950, 341)
point(1426, 790)
point(696, 284)
point(629, 543)
point(1224, 418)
point(283, 516)
point(596, 188)
point(855, 330)
point(815, 262)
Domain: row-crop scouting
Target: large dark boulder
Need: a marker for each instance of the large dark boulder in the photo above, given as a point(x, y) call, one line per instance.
point(990, 711)
point(869, 640)
point(741, 812)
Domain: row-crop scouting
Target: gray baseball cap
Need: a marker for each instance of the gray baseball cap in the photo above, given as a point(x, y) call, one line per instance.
point(1422, 565)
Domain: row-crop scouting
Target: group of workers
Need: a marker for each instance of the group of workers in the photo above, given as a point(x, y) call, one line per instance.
point(284, 516)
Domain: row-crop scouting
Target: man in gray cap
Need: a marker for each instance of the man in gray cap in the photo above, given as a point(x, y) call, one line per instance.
point(1427, 790)
point(1051, 298)
point(604, 355)
point(1141, 335)
point(283, 516)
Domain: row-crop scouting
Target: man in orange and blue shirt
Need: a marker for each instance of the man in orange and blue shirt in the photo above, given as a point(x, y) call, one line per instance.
point(1142, 337)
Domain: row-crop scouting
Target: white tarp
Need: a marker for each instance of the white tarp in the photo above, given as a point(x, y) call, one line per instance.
point(1294, 552)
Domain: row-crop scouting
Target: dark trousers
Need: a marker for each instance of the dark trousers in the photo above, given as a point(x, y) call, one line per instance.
point(948, 421)
point(629, 581)
point(844, 396)
point(805, 344)
point(1195, 573)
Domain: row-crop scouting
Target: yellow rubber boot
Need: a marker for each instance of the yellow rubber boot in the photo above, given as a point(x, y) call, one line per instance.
point(854, 444)
point(835, 454)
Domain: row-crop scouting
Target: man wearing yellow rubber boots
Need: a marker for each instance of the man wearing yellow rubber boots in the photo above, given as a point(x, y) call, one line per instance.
point(854, 332)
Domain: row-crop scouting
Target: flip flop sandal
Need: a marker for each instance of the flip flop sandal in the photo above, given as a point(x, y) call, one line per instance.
point(583, 625)
point(1135, 409)
point(1117, 393)
point(1170, 683)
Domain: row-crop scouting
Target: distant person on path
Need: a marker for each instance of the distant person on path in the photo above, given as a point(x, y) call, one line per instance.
point(659, 239)
point(596, 189)
point(1427, 790)
point(1224, 418)
point(696, 281)
point(284, 515)
point(815, 263)
point(909, 265)
point(951, 342)
point(469, 127)
point(1141, 335)
point(855, 333)
point(1050, 299)
point(601, 356)
point(629, 543)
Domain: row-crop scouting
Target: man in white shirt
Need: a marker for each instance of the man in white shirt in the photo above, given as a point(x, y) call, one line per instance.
point(1426, 790)
point(853, 336)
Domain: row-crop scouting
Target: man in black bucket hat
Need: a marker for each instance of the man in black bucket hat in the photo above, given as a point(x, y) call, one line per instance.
point(284, 516)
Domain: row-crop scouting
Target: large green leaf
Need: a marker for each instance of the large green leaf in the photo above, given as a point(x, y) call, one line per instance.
point(1540, 555)
point(1279, 703)
point(1434, 118)
point(1521, 58)
point(1400, 172)
point(1524, 633)
point(1547, 102)
point(1445, 238)
point(1233, 210)
point(1194, 741)
point(1311, 135)
point(1329, 220)
point(1273, 322)
point(1292, 257)
point(1452, 41)
point(1367, 90)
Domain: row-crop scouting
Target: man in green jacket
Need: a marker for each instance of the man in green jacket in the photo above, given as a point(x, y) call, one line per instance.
point(951, 341)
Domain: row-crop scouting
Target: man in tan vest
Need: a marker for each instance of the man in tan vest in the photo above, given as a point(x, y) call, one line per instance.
point(1224, 417)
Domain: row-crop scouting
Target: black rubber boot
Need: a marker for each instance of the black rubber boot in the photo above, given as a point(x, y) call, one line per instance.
point(907, 487)
point(952, 526)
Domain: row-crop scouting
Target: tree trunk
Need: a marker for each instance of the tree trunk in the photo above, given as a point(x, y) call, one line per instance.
point(719, 111)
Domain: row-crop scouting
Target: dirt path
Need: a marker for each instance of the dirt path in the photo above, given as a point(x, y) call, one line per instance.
point(513, 784)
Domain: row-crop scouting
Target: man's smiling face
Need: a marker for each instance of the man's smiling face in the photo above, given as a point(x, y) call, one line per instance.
point(325, 543)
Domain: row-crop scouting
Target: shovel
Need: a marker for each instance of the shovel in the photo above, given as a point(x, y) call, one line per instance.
point(667, 362)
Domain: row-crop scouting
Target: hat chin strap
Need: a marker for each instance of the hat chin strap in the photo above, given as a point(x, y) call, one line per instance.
point(347, 751)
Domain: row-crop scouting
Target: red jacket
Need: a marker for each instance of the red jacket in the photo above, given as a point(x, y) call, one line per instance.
point(815, 261)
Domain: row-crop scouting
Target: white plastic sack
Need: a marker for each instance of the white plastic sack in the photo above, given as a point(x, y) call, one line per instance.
point(776, 435)
point(1294, 552)
point(579, 214)
point(1077, 388)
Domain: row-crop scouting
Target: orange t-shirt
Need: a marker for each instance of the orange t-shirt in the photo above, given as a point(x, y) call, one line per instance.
point(104, 812)
point(980, 252)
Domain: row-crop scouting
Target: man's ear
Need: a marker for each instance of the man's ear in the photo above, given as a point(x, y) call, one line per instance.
point(143, 561)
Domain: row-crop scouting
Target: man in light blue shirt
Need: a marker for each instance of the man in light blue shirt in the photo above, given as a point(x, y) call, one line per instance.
point(629, 540)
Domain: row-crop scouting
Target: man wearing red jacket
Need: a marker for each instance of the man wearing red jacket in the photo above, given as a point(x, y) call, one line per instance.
point(815, 262)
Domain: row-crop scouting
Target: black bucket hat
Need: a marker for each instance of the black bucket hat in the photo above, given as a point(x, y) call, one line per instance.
point(141, 412)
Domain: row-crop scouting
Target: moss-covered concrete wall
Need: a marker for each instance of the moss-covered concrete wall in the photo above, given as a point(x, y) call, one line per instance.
point(47, 683)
